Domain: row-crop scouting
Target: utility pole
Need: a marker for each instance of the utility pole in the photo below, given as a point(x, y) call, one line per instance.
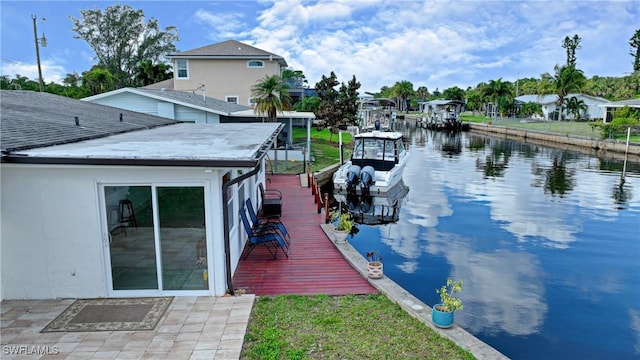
point(42, 41)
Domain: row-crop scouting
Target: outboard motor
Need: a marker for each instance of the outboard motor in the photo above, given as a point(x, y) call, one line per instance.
point(366, 179)
point(353, 177)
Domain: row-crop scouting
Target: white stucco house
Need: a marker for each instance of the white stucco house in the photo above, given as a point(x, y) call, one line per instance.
point(612, 107)
point(196, 107)
point(98, 201)
point(548, 103)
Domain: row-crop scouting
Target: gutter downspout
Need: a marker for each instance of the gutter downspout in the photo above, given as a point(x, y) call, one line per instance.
point(225, 212)
point(225, 217)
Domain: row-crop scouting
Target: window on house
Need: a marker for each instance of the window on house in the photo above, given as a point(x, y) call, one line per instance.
point(255, 64)
point(231, 99)
point(183, 69)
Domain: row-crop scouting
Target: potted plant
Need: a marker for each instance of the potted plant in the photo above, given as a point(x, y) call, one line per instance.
point(343, 226)
point(374, 266)
point(442, 313)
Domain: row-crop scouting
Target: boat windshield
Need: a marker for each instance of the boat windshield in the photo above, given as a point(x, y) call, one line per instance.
point(375, 149)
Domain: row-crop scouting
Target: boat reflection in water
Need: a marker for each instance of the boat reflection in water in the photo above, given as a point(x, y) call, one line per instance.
point(374, 209)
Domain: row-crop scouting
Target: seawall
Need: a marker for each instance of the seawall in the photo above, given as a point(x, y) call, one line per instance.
point(601, 148)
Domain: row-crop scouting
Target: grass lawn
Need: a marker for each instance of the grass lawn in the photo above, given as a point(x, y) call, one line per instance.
point(325, 151)
point(341, 327)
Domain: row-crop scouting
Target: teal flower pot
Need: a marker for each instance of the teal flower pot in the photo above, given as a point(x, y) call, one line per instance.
point(441, 319)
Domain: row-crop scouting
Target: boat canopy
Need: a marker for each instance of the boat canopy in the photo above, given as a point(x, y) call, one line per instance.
point(381, 150)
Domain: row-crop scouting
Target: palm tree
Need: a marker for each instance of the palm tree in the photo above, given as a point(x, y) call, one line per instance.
point(495, 90)
point(576, 106)
point(567, 79)
point(403, 89)
point(454, 93)
point(147, 73)
point(422, 93)
point(99, 80)
point(270, 95)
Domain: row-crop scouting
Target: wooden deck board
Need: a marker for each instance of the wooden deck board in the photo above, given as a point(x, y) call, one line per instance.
point(314, 265)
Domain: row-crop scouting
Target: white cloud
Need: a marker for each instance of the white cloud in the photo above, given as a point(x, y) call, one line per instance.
point(51, 71)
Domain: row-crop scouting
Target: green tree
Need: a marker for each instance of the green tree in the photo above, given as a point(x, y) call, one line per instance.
point(567, 79)
point(271, 94)
point(497, 91)
point(295, 78)
point(571, 45)
point(146, 73)
point(634, 43)
point(98, 80)
point(121, 39)
point(310, 104)
point(454, 93)
point(527, 86)
point(337, 108)
point(576, 106)
point(530, 108)
point(403, 90)
point(19, 83)
point(422, 93)
point(474, 100)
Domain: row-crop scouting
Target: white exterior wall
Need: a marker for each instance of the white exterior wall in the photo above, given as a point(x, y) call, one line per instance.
point(132, 102)
point(52, 241)
point(184, 113)
point(151, 106)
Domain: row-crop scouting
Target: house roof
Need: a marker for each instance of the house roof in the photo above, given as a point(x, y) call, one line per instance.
point(188, 99)
point(204, 145)
point(230, 49)
point(32, 119)
point(443, 102)
point(164, 84)
point(552, 98)
point(41, 128)
point(634, 103)
point(279, 114)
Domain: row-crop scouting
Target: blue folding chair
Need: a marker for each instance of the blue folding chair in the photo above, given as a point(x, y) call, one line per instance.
point(267, 222)
point(269, 238)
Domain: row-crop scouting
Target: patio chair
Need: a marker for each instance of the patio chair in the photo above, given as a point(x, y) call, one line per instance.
point(271, 202)
point(271, 239)
point(272, 222)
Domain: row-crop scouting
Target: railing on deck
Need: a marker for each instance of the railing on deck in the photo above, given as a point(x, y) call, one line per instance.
point(321, 201)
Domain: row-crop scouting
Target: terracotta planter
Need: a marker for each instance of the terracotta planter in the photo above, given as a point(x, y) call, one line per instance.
point(441, 319)
point(374, 270)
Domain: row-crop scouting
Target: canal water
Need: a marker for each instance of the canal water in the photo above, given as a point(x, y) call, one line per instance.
point(546, 240)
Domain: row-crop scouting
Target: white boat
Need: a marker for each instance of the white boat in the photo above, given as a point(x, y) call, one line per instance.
point(376, 164)
point(375, 209)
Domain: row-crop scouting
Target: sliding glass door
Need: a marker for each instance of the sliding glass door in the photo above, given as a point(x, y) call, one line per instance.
point(156, 237)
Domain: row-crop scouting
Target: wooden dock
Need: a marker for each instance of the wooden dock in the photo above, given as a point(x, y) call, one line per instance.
point(314, 265)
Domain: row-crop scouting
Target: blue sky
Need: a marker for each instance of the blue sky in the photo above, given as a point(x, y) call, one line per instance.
point(437, 44)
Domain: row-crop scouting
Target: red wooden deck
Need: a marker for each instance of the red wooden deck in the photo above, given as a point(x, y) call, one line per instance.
point(314, 265)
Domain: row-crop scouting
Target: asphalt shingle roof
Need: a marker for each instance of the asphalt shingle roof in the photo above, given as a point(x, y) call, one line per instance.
point(225, 49)
point(30, 119)
point(196, 99)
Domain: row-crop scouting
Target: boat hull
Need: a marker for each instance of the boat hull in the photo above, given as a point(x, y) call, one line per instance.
point(382, 182)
